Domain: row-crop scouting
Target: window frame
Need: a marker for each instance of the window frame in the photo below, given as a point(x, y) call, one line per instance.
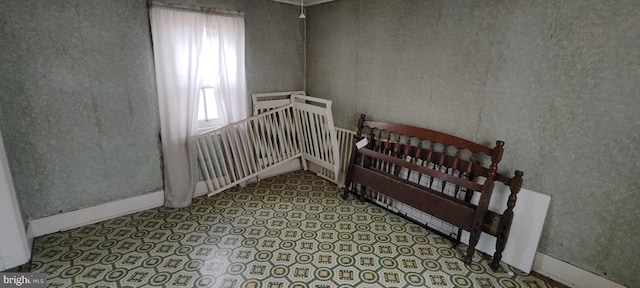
point(207, 124)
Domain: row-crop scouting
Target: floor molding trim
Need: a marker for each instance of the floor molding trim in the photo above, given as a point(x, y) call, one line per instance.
point(201, 189)
point(286, 167)
point(289, 166)
point(74, 219)
point(78, 218)
point(569, 275)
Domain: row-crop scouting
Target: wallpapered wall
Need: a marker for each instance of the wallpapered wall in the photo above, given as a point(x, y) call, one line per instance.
point(556, 80)
point(78, 104)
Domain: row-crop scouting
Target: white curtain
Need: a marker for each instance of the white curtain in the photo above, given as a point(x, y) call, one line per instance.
point(223, 66)
point(178, 45)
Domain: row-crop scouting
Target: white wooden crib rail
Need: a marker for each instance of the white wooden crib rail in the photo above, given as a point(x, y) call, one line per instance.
point(345, 141)
point(264, 102)
point(317, 133)
point(235, 153)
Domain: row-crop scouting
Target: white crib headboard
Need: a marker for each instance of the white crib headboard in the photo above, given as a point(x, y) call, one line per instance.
point(263, 102)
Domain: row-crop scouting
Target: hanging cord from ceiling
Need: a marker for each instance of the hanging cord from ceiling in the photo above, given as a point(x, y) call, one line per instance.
point(304, 46)
point(302, 16)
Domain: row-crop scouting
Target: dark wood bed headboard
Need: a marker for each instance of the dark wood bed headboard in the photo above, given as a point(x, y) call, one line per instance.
point(434, 136)
point(438, 177)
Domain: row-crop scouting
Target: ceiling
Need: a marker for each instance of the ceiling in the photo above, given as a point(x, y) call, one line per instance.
point(306, 2)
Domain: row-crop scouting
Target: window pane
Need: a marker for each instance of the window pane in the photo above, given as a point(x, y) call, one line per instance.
point(211, 104)
point(201, 112)
point(207, 105)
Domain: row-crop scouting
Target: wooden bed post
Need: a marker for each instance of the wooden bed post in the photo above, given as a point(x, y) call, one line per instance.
point(483, 203)
point(379, 166)
point(366, 162)
point(506, 220)
point(352, 159)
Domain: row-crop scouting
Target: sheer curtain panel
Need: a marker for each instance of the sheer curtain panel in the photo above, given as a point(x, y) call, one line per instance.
point(183, 42)
point(223, 66)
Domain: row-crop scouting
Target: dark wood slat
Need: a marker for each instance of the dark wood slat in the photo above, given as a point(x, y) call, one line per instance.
point(417, 197)
point(424, 170)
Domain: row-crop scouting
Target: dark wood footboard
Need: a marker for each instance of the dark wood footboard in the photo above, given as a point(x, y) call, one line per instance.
point(435, 173)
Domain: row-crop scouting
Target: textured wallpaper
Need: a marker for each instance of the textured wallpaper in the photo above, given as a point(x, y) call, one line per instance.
point(78, 103)
point(556, 80)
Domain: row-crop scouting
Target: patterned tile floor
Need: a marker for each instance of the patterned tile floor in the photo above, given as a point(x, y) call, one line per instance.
point(292, 230)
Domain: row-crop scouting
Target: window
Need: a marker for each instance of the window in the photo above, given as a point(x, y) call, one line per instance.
point(200, 57)
point(180, 35)
point(218, 72)
point(208, 113)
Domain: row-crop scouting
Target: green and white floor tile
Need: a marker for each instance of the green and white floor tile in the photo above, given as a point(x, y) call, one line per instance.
point(291, 230)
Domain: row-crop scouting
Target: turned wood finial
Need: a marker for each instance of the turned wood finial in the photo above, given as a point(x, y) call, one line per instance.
point(515, 186)
point(519, 174)
point(360, 126)
point(496, 156)
point(361, 120)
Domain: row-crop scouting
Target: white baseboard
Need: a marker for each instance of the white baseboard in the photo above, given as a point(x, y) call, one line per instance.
point(201, 189)
point(568, 274)
point(290, 166)
point(78, 218)
point(286, 167)
point(94, 214)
